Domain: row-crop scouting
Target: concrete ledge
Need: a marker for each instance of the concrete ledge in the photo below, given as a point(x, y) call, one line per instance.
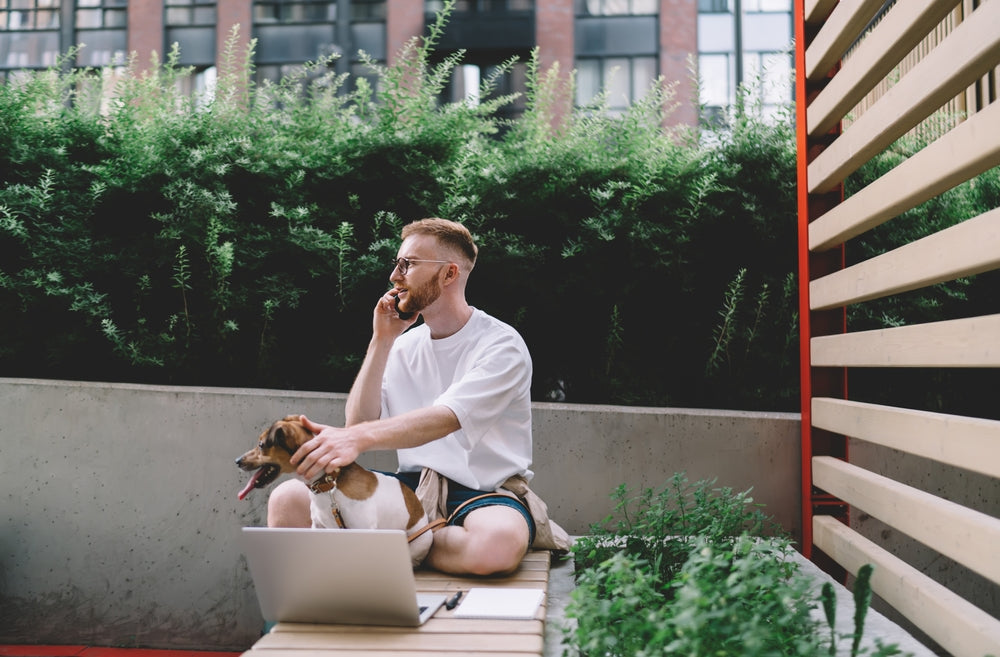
point(120, 515)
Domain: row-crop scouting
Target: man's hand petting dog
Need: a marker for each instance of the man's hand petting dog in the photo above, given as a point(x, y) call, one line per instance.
point(328, 449)
point(347, 496)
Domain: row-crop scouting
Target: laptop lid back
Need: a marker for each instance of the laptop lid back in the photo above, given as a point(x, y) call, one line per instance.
point(353, 576)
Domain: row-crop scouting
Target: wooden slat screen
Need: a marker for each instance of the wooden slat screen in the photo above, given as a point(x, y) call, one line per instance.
point(869, 72)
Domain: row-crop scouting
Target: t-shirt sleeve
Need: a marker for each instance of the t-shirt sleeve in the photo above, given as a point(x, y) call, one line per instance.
point(499, 375)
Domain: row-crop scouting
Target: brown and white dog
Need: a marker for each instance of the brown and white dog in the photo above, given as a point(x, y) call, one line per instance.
point(352, 497)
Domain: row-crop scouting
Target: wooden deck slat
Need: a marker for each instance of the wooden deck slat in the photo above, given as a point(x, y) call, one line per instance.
point(444, 624)
point(362, 639)
point(500, 651)
point(526, 578)
point(444, 634)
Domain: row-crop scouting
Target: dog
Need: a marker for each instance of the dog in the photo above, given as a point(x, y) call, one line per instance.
point(353, 497)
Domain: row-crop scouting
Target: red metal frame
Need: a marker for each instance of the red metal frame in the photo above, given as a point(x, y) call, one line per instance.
point(826, 382)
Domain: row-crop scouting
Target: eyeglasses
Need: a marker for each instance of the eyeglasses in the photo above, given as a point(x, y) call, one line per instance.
point(403, 264)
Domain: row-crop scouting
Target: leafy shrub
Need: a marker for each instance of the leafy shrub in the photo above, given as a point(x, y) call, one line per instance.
point(682, 512)
point(686, 571)
point(240, 239)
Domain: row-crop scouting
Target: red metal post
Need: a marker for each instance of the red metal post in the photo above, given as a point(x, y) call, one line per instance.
point(815, 382)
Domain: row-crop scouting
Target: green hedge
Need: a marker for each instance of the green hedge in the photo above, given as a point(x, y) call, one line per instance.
point(243, 239)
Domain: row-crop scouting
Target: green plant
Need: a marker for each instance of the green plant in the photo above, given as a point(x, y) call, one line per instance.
point(687, 571)
point(659, 527)
point(862, 601)
point(239, 238)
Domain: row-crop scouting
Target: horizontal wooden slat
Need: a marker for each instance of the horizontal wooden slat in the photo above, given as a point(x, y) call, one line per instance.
point(962, 534)
point(817, 10)
point(906, 24)
point(960, 627)
point(839, 31)
point(966, 151)
point(965, 249)
point(968, 52)
point(965, 442)
point(973, 342)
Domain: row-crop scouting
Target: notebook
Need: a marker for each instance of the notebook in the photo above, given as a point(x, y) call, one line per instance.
point(353, 576)
point(506, 603)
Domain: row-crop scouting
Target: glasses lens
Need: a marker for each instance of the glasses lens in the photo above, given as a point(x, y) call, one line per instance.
point(402, 264)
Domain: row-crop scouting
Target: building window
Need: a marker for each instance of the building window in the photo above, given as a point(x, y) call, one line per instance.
point(101, 24)
point(294, 12)
point(768, 5)
point(292, 33)
point(34, 34)
point(744, 44)
point(29, 34)
point(723, 6)
point(714, 6)
point(187, 13)
point(624, 79)
point(100, 13)
point(29, 14)
point(616, 7)
point(481, 6)
point(466, 82)
point(368, 10)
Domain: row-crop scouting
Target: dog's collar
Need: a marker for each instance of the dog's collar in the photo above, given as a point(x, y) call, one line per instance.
point(324, 484)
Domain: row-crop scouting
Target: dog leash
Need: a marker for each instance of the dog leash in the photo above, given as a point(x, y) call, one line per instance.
point(441, 522)
point(328, 482)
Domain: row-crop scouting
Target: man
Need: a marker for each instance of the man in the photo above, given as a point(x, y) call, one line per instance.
point(451, 396)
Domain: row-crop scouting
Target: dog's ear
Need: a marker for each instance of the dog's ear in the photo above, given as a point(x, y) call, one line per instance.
point(281, 437)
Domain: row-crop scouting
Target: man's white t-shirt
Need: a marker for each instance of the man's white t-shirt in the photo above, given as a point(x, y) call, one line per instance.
point(483, 374)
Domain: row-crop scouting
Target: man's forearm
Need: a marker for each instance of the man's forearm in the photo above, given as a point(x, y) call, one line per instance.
point(364, 402)
point(411, 429)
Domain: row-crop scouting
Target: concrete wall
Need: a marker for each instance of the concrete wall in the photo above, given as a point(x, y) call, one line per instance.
point(120, 520)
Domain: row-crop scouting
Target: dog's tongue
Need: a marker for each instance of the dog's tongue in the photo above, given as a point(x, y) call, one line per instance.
point(250, 484)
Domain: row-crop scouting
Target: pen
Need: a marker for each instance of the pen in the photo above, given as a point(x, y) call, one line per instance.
point(453, 601)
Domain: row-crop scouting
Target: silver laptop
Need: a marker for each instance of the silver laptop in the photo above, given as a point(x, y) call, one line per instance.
point(354, 576)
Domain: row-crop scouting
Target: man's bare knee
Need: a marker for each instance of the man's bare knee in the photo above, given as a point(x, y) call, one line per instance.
point(288, 505)
point(500, 537)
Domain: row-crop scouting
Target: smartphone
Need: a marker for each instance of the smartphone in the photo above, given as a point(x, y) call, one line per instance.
point(402, 314)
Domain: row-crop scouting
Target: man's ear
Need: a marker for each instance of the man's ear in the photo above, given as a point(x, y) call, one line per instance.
point(451, 274)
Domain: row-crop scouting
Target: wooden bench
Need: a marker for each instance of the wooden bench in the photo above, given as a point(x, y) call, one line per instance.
point(442, 634)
